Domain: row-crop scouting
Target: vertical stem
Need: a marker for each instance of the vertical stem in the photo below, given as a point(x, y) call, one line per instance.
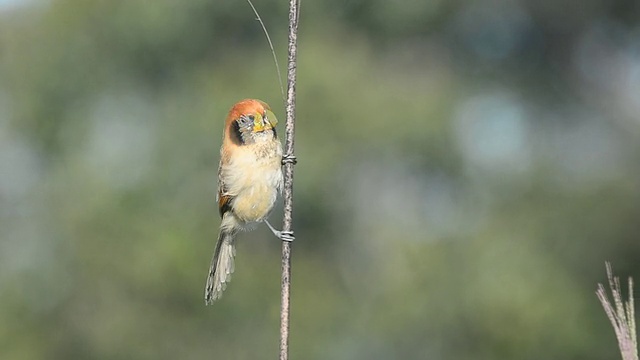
point(290, 106)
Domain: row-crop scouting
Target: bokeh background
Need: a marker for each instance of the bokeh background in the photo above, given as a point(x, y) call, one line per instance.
point(465, 170)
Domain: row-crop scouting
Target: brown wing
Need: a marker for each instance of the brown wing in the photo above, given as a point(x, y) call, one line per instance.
point(224, 199)
point(224, 203)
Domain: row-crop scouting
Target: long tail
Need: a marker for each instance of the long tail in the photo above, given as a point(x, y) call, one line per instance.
point(222, 263)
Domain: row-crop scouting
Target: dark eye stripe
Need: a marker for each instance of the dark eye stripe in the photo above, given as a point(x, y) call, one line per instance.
point(235, 135)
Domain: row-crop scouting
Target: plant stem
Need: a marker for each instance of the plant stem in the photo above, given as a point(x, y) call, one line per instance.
point(290, 106)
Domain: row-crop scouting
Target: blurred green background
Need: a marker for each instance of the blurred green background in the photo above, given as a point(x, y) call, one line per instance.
point(465, 169)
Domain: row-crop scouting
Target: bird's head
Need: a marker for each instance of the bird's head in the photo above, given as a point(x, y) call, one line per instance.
point(250, 119)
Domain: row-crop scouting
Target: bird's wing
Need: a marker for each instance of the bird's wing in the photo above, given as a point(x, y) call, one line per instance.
point(224, 198)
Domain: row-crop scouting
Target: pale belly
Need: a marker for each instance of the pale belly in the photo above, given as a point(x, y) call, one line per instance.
point(255, 202)
point(254, 185)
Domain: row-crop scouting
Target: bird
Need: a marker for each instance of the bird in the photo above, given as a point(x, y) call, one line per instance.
point(250, 179)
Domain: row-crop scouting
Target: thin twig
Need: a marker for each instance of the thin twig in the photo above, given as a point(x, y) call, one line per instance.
point(273, 52)
point(290, 107)
point(621, 315)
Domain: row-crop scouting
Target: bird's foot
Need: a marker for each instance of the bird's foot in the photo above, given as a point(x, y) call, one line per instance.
point(282, 235)
point(289, 159)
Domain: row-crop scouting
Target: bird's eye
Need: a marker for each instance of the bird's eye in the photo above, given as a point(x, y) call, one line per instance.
point(245, 121)
point(252, 118)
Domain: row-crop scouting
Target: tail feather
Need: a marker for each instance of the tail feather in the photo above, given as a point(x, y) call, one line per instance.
point(222, 266)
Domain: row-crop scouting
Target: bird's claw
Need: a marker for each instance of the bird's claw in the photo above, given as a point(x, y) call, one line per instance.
point(289, 159)
point(287, 236)
point(282, 235)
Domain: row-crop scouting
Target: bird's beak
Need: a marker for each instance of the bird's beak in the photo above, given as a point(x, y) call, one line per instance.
point(262, 123)
point(258, 123)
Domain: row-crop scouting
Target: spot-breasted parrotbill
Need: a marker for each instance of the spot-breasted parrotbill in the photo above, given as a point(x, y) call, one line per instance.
point(249, 181)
